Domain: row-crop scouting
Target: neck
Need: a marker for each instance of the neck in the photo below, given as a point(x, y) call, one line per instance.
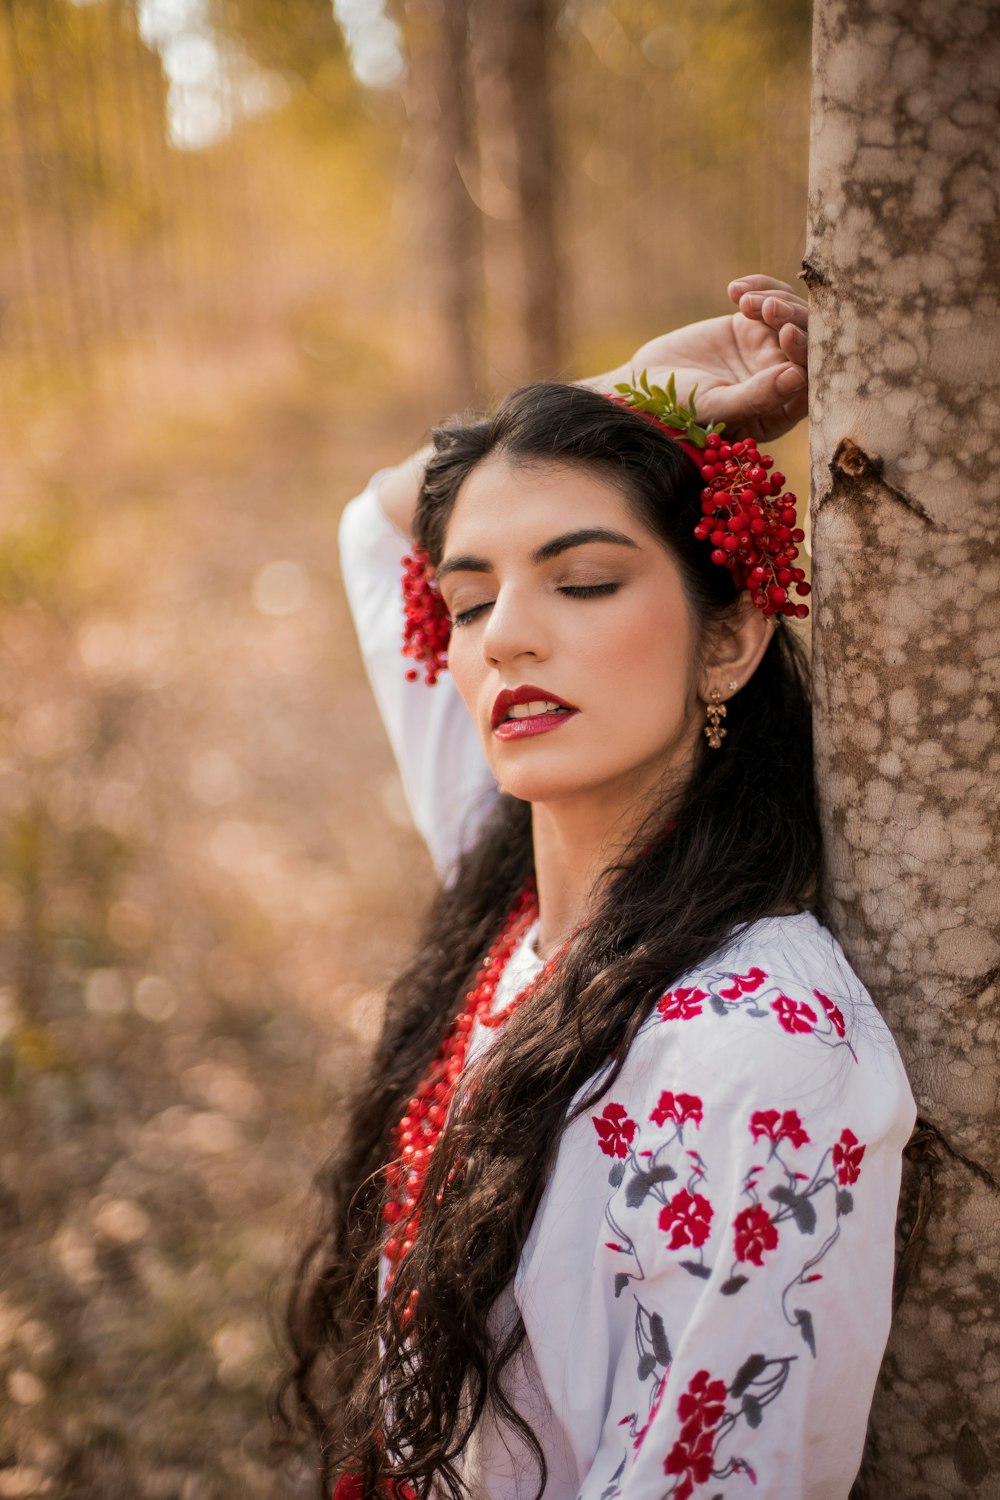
point(574, 845)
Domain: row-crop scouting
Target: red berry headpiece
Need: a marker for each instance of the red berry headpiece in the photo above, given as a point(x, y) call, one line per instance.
point(426, 621)
point(749, 522)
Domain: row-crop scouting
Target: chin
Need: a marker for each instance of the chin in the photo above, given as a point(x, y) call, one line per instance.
point(536, 783)
point(551, 784)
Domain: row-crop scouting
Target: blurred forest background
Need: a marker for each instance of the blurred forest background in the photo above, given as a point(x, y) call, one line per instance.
point(249, 251)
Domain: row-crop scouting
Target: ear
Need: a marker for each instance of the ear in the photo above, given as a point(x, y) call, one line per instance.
point(734, 650)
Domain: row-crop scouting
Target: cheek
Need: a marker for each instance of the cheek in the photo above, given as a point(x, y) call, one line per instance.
point(465, 663)
point(649, 646)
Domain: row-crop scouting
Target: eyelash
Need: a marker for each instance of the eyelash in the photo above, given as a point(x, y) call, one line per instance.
point(575, 591)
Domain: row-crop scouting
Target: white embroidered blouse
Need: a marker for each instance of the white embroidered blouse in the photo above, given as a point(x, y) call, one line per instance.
point(706, 1284)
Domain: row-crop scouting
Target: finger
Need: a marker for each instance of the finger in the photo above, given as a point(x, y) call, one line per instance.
point(774, 310)
point(757, 284)
point(762, 398)
point(790, 381)
point(792, 389)
point(793, 343)
point(780, 310)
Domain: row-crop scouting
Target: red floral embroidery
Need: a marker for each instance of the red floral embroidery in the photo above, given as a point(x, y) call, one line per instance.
point(744, 984)
point(794, 1015)
point(778, 1127)
point(700, 1409)
point(754, 1234)
point(834, 1013)
point(681, 1005)
point(615, 1131)
point(688, 1218)
point(693, 1460)
point(703, 1403)
point(847, 1154)
point(677, 1107)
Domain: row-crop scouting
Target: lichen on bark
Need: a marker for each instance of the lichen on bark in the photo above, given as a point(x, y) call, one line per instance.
point(904, 278)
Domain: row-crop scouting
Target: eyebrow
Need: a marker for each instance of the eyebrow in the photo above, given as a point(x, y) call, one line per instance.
point(544, 553)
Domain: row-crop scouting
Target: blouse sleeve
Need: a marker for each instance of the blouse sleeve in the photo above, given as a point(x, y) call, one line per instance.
point(445, 777)
point(739, 1284)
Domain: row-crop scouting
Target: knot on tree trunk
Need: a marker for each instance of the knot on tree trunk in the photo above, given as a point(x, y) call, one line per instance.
point(855, 462)
point(858, 475)
point(812, 275)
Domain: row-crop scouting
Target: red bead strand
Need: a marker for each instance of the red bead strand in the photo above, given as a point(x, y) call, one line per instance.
point(418, 1131)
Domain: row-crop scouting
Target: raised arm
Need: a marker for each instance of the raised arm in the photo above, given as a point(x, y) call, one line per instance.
point(447, 784)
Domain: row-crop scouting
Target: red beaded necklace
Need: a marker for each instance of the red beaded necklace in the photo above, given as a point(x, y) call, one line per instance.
point(418, 1131)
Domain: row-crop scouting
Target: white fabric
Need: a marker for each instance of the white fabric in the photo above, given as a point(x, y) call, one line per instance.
point(706, 1284)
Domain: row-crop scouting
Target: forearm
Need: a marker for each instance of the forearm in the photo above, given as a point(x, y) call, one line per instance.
point(399, 490)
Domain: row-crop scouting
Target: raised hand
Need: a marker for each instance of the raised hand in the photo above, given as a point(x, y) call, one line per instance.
point(749, 367)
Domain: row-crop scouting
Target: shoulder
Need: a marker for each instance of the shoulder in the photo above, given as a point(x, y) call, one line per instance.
point(777, 1019)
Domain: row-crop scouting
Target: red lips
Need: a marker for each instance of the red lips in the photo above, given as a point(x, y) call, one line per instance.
point(526, 694)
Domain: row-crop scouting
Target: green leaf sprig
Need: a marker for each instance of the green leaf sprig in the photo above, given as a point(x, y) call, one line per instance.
point(662, 403)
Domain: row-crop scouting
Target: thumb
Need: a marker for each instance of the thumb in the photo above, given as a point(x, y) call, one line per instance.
point(771, 397)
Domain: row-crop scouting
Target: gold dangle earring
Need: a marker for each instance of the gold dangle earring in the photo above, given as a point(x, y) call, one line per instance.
point(715, 711)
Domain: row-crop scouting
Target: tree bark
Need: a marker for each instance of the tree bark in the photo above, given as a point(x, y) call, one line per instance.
point(903, 268)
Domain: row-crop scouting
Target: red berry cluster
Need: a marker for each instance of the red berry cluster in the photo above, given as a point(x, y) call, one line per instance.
point(426, 624)
point(750, 523)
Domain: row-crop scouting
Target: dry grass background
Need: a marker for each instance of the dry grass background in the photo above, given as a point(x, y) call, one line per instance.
point(206, 878)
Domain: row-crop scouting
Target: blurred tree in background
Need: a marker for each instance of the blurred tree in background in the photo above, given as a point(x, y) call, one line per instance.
point(249, 250)
point(523, 186)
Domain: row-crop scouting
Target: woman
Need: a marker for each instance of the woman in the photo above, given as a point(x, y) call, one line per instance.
point(614, 1214)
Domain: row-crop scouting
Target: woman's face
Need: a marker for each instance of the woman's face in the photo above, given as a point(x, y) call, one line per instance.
point(572, 642)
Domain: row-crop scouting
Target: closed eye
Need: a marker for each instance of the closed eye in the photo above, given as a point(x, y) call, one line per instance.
point(466, 616)
point(574, 590)
point(589, 590)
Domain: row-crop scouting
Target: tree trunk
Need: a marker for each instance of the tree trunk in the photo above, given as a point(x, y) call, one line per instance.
point(517, 143)
point(903, 268)
point(440, 108)
point(529, 24)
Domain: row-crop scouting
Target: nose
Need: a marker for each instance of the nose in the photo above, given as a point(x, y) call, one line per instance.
point(514, 628)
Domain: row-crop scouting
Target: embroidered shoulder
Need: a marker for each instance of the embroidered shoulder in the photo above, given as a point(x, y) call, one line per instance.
point(799, 984)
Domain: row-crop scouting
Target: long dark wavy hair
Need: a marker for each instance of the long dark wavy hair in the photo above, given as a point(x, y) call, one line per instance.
point(399, 1402)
